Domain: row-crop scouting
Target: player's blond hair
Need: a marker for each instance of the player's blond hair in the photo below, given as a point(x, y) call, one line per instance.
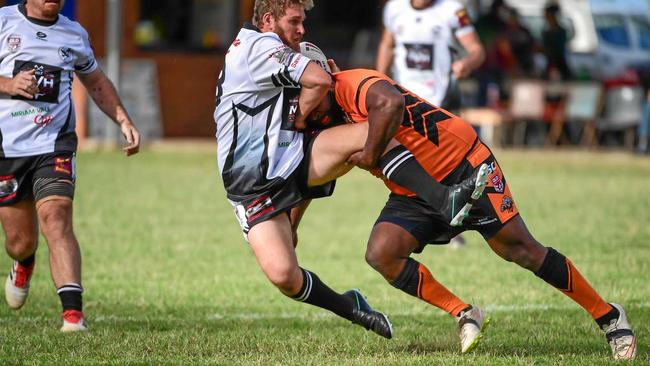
point(277, 8)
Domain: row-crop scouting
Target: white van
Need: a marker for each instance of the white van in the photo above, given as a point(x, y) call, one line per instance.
point(607, 36)
point(623, 29)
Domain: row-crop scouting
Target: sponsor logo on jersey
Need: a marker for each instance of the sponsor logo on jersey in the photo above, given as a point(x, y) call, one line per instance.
point(63, 165)
point(419, 56)
point(486, 221)
point(289, 109)
point(283, 56)
point(463, 18)
point(497, 183)
point(48, 79)
point(66, 54)
point(43, 119)
point(14, 43)
point(41, 35)
point(507, 204)
point(29, 111)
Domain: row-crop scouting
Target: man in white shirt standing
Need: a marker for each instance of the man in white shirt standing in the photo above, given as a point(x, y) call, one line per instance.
point(41, 51)
point(418, 42)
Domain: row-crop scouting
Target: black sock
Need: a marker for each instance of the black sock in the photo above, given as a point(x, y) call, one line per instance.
point(409, 279)
point(554, 270)
point(606, 319)
point(28, 261)
point(70, 295)
point(400, 166)
point(316, 293)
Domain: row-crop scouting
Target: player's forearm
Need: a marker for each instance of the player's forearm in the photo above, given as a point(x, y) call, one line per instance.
point(383, 126)
point(314, 84)
point(385, 112)
point(308, 100)
point(385, 53)
point(384, 58)
point(4, 85)
point(103, 92)
point(475, 58)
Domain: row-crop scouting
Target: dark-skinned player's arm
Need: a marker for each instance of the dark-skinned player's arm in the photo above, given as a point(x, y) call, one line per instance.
point(385, 105)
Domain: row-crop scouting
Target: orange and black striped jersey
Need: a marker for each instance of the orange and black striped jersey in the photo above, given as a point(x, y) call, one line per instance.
point(437, 139)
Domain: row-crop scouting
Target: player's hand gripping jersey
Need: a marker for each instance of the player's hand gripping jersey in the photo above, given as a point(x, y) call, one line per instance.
point(438, 139)
point(54, 51)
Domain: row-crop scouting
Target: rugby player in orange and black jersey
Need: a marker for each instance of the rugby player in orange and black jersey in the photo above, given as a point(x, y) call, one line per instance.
point(437, 146)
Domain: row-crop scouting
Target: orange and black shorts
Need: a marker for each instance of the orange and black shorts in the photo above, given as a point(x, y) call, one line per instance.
point(488, 215)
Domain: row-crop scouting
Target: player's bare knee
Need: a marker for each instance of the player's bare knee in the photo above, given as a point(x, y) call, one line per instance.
point(20, 246)
point(377, 257)
point(56, 219)
point(523, 252)
point(286, 279)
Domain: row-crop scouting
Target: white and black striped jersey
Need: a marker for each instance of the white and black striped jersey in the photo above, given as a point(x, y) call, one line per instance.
point(423, 51)
point(257, 97)
point(55, 50)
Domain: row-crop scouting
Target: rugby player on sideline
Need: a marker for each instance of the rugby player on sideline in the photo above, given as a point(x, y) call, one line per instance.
point(41, 50)
point(449, 150)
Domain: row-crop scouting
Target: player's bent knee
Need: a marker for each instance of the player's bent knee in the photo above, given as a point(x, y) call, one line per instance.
point(286, 279)
point(20, 247)
point(378, 258)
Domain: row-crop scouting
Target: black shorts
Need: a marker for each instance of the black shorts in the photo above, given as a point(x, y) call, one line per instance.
point(488, 215)
point(21, 178)
point(265, 205)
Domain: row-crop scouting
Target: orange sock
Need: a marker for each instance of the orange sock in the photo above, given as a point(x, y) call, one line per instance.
point(416, 280)
point(436, 294)
point(558, 271)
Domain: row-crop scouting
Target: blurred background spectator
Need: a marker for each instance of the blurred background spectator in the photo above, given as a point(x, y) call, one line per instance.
point(554, 41)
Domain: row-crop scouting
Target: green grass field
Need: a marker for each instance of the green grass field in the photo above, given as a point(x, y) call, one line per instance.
point(169, 279)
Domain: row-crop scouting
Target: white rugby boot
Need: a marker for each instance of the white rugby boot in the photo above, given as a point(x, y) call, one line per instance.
point(472, 324)
point(17, 285)
point(620, 336)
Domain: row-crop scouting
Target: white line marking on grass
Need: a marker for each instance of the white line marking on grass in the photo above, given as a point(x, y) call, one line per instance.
point(492, 308)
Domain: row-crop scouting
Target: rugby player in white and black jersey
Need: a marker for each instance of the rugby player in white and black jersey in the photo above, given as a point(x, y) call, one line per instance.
point(40, 52)
point(269, 167)
point(419, 40)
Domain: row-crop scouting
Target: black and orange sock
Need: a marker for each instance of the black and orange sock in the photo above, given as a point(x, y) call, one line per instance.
point(316, 293)
point(559, 272)
point(400, 166)
point(416, 280)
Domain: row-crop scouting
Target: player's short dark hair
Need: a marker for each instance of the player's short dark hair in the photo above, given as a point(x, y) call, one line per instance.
point(277, 8)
